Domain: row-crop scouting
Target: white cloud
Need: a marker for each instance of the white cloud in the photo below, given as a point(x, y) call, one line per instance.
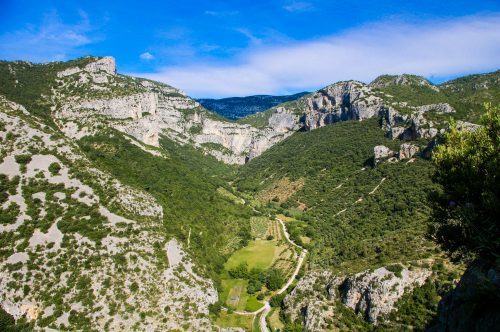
point(430, 48)
point(146, 56)
point(298, 6)
point(52, 40)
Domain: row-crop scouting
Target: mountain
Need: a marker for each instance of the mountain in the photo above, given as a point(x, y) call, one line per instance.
point(125, 204)
point(234, 108)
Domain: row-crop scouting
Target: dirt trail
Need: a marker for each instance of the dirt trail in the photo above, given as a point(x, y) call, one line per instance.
point(267, 307)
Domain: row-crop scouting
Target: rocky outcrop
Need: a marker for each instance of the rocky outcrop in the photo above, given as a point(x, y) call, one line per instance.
point(474, 304)
point(105, 64)
point(381, 152)
point(312, 300)
point(146, 110)
point(341, 101)
point(407, 150)
point(371, 294)
point(374, 294)
point(161, 110)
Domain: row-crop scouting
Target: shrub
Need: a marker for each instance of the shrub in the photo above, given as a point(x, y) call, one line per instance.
point(54, 168)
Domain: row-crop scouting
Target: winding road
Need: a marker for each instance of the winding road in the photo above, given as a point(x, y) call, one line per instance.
point(267, 307)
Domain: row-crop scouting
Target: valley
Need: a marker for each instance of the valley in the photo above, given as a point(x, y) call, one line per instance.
point(127, 205)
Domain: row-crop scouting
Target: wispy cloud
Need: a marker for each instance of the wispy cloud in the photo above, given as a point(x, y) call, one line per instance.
point(221, 13)
point(247, 33)
point(52, 40)
point(298, 6)
point(429, 48)
point(146, 56)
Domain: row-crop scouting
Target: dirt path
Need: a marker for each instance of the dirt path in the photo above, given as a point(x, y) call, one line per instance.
point(267, 307)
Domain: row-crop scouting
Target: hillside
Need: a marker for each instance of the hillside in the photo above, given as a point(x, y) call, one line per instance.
point(234, 108)
point(127, 205)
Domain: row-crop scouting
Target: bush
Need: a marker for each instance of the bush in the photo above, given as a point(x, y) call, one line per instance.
point(239, 272)
point(276, 300)
point(54, 168)
point(396, 269)
point(274, 279)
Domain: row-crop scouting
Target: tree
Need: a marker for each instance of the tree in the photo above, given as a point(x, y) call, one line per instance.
point(274, 279)
point(240, 271)
point(466, 207)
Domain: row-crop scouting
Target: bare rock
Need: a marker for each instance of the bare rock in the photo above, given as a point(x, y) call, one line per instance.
point(373, 294)
point(407, 151)
point(381, 152)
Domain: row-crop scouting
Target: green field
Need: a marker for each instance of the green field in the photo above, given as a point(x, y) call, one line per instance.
point(234, 294)
point(253, 304)
point(258, 253)
point(234, 320)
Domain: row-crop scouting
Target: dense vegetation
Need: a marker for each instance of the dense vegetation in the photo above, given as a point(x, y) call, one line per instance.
point(466, 206)
point(29, 84)
point(466, 94)
point(185, 184)
point(350, 227)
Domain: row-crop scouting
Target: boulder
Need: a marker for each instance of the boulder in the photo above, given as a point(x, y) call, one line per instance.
point(381, 152)
point(407, 150)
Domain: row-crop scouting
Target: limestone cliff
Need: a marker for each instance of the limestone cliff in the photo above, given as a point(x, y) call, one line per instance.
point(147, 110)
point(370, 294)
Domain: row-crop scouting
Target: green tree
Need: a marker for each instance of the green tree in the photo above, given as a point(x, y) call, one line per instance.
point(274, 279)
point(466, 207)
point(239, 272)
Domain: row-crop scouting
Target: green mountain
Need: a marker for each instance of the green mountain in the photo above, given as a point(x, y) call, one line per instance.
point(126, 204)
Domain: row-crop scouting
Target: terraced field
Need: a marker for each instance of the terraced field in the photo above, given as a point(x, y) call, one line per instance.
point(274, 230)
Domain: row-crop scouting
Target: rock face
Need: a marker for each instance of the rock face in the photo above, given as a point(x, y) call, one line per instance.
point(371, 294)
point(474, 304)
point(381, 152)
point(312, 300)
point(146, 110)
point(340, 102)
point(407, 151)
point(156, 109)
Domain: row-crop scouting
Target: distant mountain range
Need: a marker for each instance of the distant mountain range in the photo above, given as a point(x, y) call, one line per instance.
point(234, 108)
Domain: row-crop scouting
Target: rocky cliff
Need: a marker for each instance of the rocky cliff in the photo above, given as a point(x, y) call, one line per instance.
point(147, 110)
point(370, 294)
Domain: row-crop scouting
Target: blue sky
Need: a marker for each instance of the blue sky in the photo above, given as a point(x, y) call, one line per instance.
point(236, 48)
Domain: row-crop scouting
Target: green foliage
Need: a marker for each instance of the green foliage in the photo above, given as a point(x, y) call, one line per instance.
point(239, 272)
point(257, 120)
point(466, 206)
point(386, 226)
point(215, 308)
point(396, 269)
point(211, 219)
point(277, 300)
point(275, 279)
point(23, 160)
point(8, 324)
point(293, 327)
point(54, 168)
point(7, 187)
